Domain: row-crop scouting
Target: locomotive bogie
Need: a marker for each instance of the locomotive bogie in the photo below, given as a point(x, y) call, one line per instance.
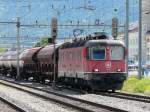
point(105, 81)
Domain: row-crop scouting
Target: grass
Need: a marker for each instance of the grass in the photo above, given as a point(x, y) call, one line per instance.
point(133, 85)
point(147, 90)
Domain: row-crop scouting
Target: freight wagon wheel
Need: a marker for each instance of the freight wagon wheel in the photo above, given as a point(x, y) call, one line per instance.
point(36, 79)
point(25, 77)
point(113, 91)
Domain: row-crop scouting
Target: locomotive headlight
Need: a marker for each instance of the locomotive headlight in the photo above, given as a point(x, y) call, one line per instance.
point(118, 70)
point(96, 70)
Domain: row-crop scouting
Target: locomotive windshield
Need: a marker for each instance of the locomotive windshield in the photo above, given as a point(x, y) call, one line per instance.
point(116, 53)
point(97, 53)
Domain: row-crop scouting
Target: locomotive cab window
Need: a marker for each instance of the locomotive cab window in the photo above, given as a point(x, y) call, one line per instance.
point(117, 53)
point(97, 53)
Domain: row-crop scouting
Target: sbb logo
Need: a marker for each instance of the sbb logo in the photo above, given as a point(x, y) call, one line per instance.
point(108, 64)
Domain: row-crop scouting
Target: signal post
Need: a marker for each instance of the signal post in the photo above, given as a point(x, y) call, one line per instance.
point(18, 48)
point(53, 37)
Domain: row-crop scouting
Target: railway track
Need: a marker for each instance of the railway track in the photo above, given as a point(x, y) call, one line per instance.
point(78, 104)
point(12, 105)
point(127, 96)
point(140, 98)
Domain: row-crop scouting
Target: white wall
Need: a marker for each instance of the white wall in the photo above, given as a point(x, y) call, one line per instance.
point(145, 25)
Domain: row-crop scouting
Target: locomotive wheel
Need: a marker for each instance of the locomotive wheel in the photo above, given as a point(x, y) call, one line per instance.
point(26, 78)
point(43, 80)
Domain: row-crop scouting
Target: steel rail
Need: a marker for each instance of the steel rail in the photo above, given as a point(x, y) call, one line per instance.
point(121, 95)
point(11, 104)
point(127, 96)
point(134, 95)
point(73, 99)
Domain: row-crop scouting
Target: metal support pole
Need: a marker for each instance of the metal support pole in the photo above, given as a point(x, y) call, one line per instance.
point(140, 41)
point(18, 47)
point(54, 80)
point(127, 34)
point(54, 36)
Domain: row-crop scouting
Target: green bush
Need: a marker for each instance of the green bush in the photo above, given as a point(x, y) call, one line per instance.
point(130, 84)
point(134, 85)
point(142, 85)
point(42, 42)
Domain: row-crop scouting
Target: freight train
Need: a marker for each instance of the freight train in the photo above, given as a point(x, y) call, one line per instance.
point(94, 61)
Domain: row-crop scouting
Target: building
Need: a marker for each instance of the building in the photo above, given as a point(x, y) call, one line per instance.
point(148, 49)
point(145, 30)
point(145, 36)
point(133, 42)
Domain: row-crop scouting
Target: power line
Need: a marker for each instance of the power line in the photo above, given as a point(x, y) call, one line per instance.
point(60, 25)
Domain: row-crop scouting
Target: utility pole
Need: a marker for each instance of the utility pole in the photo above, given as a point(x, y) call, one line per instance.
point(53, 36)
point(18, 46)
point(140, 41)
point(127, 34)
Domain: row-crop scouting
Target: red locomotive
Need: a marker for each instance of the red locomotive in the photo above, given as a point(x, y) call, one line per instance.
point(95, 62)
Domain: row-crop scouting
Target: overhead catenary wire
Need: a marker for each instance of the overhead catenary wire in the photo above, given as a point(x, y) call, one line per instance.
point(71, 8)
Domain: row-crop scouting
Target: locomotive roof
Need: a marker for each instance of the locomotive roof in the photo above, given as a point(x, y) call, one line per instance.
point(91, 43)
point(103, 42)
point(74, 44)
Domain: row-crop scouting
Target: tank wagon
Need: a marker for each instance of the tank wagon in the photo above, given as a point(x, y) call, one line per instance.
point(8, 64)
point(7, 61)
point(95, 62)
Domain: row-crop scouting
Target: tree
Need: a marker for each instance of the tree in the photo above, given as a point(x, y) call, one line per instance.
point(42, 42)
point(2, 50)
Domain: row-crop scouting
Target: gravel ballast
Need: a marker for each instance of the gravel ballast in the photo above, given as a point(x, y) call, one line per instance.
point(129, 105)
point(31, 103)
point(6, 108)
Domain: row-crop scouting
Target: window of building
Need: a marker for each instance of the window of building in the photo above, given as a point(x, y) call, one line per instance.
point(147, 49)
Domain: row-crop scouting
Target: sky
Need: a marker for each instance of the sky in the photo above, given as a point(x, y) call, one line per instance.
point(67, 12)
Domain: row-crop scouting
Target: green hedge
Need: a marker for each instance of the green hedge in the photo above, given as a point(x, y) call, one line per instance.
point(137, 86)
point(130, 84)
